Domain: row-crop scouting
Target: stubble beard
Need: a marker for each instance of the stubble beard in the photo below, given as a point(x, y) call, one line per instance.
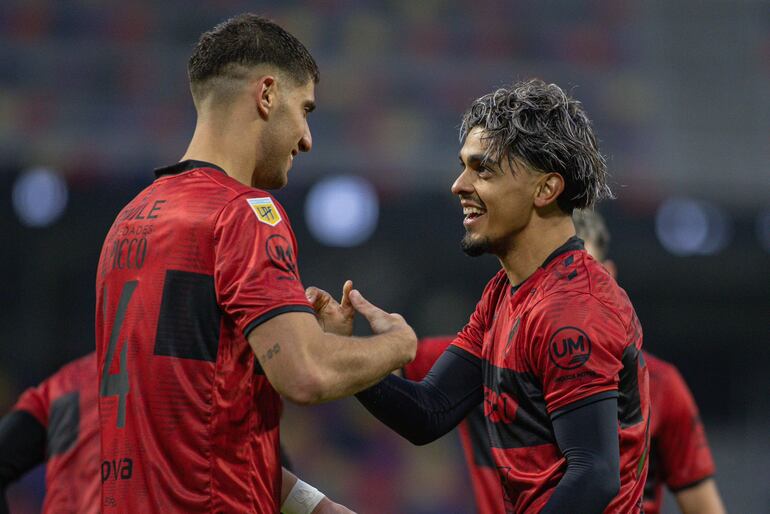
point(475, 247)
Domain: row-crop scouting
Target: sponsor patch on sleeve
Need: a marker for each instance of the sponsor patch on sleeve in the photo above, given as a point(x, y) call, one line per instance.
point(265, 210)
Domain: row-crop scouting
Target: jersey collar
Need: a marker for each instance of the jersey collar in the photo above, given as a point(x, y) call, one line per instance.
point(187, 165)
point(573, 243)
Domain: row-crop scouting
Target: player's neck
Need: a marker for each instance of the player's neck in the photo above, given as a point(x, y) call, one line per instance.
point(533, 244)
point(221, 144)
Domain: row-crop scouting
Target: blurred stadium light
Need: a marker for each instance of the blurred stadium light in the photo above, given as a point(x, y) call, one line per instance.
point(342, 211)
point(686, 226)
point(39, 197)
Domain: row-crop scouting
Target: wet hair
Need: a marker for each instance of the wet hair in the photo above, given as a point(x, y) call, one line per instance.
point(230, 49)
point(537, 123)
point(590, 227)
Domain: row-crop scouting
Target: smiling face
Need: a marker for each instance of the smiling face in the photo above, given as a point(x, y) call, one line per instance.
point(288, 134)
point(497, 200)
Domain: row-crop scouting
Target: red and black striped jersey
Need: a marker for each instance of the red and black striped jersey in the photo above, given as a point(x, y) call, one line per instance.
point(567, 335)
point(189, 422)
point(65, 404)
point(679, 452)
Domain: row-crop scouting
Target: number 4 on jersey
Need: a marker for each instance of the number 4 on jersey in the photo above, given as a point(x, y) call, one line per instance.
point(117, 384)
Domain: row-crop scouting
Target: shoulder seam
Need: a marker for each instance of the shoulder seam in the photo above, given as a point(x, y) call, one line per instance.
point(588, 293)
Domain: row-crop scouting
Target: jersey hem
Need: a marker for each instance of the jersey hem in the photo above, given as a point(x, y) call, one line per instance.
point(690, 484)
point(275, 312)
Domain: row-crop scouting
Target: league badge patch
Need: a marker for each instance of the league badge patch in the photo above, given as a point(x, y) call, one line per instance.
point(265, 210)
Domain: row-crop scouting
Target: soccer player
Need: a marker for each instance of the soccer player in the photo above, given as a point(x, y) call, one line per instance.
point(56, 423)
point(553, 349)
point(679, 452)
point(202, 323)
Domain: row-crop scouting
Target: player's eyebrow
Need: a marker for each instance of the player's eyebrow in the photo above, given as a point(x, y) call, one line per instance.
point(473, 160)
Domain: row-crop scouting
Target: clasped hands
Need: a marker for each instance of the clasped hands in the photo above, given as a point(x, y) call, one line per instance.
point(337, 317)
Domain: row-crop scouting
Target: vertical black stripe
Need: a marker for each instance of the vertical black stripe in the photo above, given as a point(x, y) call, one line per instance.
point(63, 423)
point(629, 402)
point(189, 319)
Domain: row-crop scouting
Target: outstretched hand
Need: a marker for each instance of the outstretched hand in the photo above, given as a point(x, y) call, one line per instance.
point(335, 317)
point(378, 319)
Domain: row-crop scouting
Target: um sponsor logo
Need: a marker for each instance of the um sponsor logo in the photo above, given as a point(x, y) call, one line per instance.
point(569, 348)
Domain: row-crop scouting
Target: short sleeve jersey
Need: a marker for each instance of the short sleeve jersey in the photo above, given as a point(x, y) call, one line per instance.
point(473, 433)
point(65, 405)
point(189, 422)
point(566, 336)
point(679, 452)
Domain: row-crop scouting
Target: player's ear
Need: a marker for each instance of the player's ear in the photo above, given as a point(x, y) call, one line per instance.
point(264, 91)
point(548, 189)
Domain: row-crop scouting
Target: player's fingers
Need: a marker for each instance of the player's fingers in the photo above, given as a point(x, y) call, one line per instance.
point(363, 306)
point(346, 289)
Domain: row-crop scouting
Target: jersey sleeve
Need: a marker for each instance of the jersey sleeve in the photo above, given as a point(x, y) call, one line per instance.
point(683, 450)
point(36, 402)
point(255, 270)
point(575, 348)
point(429, 350)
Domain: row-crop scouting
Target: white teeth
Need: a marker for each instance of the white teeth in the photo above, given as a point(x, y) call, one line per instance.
point(472, 210)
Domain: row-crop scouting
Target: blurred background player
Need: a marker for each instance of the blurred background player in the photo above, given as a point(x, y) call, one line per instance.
point(553, 348)
point(202, 321)
point(56, 423)
point(679, 453)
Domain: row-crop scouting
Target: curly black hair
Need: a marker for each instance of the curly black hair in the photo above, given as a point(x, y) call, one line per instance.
point(546, 129)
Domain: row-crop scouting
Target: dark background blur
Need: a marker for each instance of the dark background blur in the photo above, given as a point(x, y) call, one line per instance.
point(93, 96)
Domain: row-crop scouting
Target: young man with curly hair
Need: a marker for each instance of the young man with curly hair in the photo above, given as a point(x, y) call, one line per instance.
point(553, 349)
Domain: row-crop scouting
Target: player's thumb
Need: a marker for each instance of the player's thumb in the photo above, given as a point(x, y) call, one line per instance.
point(363, 307)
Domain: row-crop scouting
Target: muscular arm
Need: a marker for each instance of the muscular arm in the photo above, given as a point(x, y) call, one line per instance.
point(22, 447)
point(307, 365)
point(702, 498)
point(588, 438)
point(424, 411)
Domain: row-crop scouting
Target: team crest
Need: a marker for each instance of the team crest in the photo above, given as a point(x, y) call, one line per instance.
point(265, 210)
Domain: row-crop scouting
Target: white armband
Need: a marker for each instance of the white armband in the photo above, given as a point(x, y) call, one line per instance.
point(302, 499)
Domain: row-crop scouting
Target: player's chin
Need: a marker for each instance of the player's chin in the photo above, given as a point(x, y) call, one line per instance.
point(475, 244)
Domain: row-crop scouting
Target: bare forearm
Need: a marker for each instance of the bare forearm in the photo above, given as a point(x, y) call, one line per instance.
point(349, 365)
point(701, 499)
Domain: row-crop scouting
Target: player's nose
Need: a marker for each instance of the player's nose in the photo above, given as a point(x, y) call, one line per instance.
point(306, 141)
point(462, 185)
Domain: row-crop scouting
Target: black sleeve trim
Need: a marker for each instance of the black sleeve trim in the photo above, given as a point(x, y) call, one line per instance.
point(690, 485)
point(583, 402)
point(276, 312)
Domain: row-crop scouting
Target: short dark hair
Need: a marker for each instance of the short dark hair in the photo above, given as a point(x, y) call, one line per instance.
point(590, 227)
point(540, 125)
point(249, 40)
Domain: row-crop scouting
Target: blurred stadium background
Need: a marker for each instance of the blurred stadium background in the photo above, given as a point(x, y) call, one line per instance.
point(93, 96)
